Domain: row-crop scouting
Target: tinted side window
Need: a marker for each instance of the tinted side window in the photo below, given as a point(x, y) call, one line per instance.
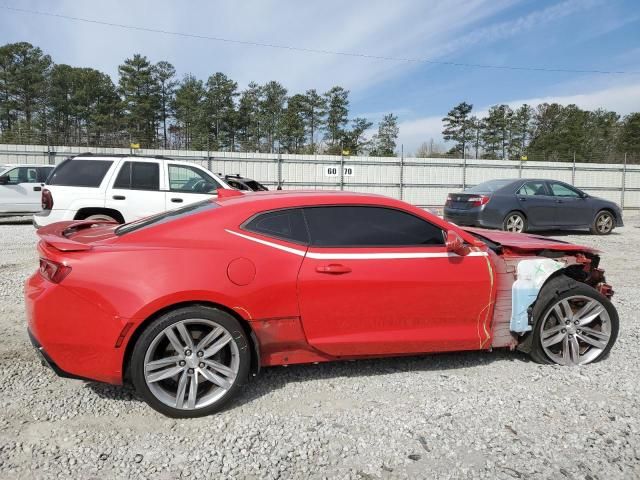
point(560, 190)
point(285, 224)
point(22, 175)
point(43, 173)
point(138, 176)
point(347, 226)
point(80, 173)
point(533, 188)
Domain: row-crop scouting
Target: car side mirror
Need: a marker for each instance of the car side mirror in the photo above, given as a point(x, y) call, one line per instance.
point(456, 244)
point(4, 179)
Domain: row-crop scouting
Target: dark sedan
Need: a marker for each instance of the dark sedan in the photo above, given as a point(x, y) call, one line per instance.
point(526, 204)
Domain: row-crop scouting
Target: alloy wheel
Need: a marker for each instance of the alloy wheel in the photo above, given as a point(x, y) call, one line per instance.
point(575, 331)
point(604, 223)
point(191, 364)
point(515, 223)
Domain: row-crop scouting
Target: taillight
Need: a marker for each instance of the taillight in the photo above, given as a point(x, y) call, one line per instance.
point(53, 271)
point(47, 199)
point(479, 200)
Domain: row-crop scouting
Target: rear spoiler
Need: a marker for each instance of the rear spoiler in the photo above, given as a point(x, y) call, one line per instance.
point(57, 233)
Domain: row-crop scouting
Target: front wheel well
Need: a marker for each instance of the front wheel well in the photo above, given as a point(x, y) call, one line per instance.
point(255, 346)
point(88, 211)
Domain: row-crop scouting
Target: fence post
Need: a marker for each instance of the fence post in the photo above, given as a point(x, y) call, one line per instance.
point(52, 156)
point(573, 170)
point(341, 171)
point(279, 169)
point(209, 163)
point(520, 169)
point(401, 172)
point(624, 182)
point(464, 171)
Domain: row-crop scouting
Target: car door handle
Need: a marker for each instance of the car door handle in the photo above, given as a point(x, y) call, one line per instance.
point(333, 268)
point(37, 189)
point(558, 201)
point(176, 200)
point(119, 197)
point(522, 199)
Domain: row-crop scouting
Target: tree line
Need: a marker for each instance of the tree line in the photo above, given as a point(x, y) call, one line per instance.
point(41, 101)
point(549, 131)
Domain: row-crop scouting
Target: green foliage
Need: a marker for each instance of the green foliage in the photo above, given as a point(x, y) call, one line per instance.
point(384, 142)
point(457, 127)
point(337, 114)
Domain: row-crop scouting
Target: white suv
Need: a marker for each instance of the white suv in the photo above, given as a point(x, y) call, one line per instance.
point(20, 188)
point(122, 188)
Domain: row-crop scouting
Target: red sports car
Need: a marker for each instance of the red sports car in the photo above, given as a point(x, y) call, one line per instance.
point(188, 304)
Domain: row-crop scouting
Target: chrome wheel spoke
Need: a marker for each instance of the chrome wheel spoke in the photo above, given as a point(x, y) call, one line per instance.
point(574, 348)
point(182, 388)
point(163, 362)
point(591, 315)
point(218, 345)
point(185, 336)
point(216, 379)
point(193, 391)
point(218, 367)
point(554, 339)
point(175, 343)
point(164, 374)
point(215, 333)
point(566, 358)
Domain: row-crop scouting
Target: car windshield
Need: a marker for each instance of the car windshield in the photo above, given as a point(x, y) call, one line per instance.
point(166, 216)
point(488, 187)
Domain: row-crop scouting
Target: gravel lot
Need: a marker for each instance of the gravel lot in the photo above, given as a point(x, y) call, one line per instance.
point(486, 415)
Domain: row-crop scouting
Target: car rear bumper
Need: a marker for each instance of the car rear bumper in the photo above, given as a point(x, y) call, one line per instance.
point(47, 217)
point(471, 217)
point(73, 336)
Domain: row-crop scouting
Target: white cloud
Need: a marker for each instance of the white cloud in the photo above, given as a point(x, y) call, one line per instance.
point(623, 99)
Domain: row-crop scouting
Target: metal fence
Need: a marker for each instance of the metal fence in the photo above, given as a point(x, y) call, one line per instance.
point(424, 182)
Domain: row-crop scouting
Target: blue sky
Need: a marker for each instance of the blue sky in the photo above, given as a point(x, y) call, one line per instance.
point(566, 34)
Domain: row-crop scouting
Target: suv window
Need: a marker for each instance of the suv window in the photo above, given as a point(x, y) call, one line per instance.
point(187, 179)
point(22, 175)
point(561, 190)
point(285, 224)
point(43, 173)
point(355, 226)
point(138, 176)
point(80, 173)
point(533, 188)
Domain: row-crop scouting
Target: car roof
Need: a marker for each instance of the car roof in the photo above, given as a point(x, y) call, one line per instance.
point(274, 199)
point(13, 165)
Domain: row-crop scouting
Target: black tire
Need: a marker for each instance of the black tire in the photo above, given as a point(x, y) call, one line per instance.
point(604, 223)
point(563, 288)
point(513, 218)
point(155, 330)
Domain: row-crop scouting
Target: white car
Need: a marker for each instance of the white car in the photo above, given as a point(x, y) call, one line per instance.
point(20, 188)
point(122, 188)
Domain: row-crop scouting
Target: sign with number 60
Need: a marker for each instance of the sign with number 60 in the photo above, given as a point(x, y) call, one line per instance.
point(332, 171)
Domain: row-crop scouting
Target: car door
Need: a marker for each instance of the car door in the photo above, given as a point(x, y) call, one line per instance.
point(377, 280)
point(136, 190)
point(188, 184)
point(22, 192)
point(573, 209)
point(536, 201)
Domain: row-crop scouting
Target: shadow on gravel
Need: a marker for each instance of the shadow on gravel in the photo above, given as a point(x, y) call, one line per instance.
point(273, 378)
point(566, 233)
point(15, 221)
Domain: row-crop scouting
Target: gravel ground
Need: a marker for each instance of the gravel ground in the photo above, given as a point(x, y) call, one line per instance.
point(470, 415)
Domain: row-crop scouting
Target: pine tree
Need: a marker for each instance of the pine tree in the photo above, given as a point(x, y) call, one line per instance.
point(337, 113)
point(457, 128)
point(249, 118)
point(274, 97)
point(219, 110)
point(354, 139)
point(629, 138)
point(141, 99)
point(314, 111)
point(165, 76)
point(384, 142)
point(187, 106)
point(292, 130)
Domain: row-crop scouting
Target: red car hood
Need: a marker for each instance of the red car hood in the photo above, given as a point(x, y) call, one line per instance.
point(526, 242)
